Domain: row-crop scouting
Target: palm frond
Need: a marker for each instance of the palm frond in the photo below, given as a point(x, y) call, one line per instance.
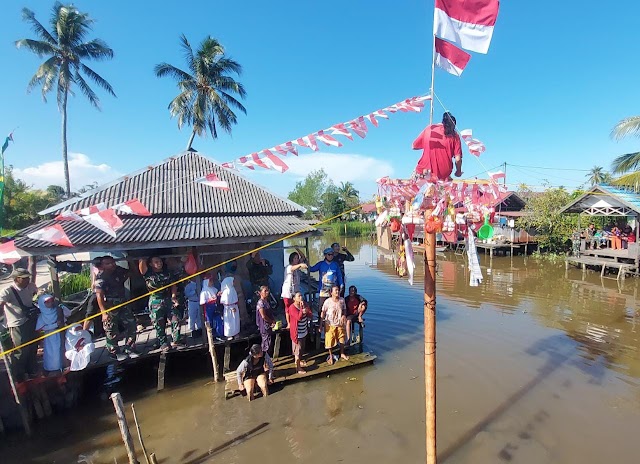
point(626, 127)
point(631, 179)
point(227, 65)
point(86, 90)
point(38, 47)
point(625, 163)
point(45, 75)
point(166, 69)
point(30, 17)
point(230, 100)
point(72, 26)
point(95, 77)
point(96, 49)
point(188, 52)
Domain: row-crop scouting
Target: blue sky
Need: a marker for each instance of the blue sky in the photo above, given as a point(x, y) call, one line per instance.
point(556, 79)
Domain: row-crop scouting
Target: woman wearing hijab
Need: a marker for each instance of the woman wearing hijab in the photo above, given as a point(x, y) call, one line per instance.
point(231, 313)
point(291, 283)
point(209, 303)
point(48, 321)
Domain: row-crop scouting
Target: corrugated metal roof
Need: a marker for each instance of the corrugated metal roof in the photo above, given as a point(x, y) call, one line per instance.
point(150, 230)
point(614, 195)
point(632, 199)
point(171, 188)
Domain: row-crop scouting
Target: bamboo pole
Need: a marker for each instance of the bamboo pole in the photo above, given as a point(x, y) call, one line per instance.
point(430, 342)
point(212, 352)
point(153, 458)
point(135, 419)
point(124, 427)
point(21, 407)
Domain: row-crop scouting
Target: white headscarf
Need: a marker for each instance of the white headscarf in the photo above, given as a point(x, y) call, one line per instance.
point(48, 317)
point(209, 293)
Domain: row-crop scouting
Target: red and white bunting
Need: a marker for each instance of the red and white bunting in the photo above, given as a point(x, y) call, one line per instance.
point(106, 220)
point(53, 234)
point(274, 162)
point(68, 216)
point(228, 165)
point(326, 136)
point(476, 147)
point(212, 180)
point(133, 206)
point(327, 139)
point(468, 24)
point(496, 175)
point(450, 58)
point(9, 253)
point(92, 209)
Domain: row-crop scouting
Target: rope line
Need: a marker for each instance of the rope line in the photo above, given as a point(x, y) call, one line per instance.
point(204, 271)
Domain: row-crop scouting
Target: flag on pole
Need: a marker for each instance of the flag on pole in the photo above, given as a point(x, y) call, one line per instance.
point(496, 175)
point(466, 23)
point(9, 253)
point(450, 58)
point(212, 180)
point(133, 206)
point(106, 220)
point(5, 145)
point(54, 234)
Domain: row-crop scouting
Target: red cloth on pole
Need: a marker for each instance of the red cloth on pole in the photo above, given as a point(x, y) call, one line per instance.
point(438, 151)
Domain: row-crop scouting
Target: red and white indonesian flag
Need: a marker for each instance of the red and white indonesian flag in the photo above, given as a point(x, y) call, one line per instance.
point(54, 234)
point(212, 180)
point(9, 253)
point(272, 161)
point(450, 58)
point(476, 147)
point(133, 206)
point(468, 23)
point(106, 220)
point(497, 175)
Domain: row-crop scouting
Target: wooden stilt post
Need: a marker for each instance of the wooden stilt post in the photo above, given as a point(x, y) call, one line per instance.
point(144, 449)
point(16, 396)
point(212, 352)
point(430, 341)
point(162, 366)
point(55, 278)
point(124, 427)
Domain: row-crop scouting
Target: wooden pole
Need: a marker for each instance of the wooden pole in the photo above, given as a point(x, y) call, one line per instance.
point(212, 352)
point(124, 427)
point(135, 419)
point(55, 278)
point(153, 458)
point(23, 412)
point(430, 342)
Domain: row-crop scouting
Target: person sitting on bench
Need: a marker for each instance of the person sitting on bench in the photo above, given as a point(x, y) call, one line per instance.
point(255, 368)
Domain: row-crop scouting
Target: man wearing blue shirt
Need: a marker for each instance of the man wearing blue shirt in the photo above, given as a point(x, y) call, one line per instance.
point(329, 276)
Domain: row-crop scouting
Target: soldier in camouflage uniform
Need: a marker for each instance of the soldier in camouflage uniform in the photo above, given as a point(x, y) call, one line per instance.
point(161, 302)
point(110, 291)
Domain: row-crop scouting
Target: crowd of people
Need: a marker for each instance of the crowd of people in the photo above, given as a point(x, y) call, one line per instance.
point(616, 236)
point(172, 302)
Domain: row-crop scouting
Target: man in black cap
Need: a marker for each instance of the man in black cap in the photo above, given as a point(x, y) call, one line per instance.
point(21, 316)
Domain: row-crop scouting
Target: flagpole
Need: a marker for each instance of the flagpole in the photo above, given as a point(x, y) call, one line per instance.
point(430, 314)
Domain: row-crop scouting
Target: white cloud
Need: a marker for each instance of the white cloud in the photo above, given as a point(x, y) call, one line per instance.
point(81, 172)
point(357, 169)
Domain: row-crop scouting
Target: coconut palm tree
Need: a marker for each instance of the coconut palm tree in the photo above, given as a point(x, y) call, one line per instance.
point(349, 195)
point(206, 99)
point(66, 50)
point(596, 175)
point(629, 163)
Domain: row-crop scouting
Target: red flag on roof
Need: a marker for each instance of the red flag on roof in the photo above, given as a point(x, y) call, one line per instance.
point(68, 216)
point(92, 209)
point(212, 180)
point(133, 206)
point(9, 253)
point(54, 234)
point(106, 220)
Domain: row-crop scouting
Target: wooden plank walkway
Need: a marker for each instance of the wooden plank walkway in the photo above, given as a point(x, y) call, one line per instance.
point(603, 263)
point(285, 369)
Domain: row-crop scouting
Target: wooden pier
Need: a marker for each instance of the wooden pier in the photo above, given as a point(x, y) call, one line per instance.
point(285, 369)
point(504, 248)
point(603, 263)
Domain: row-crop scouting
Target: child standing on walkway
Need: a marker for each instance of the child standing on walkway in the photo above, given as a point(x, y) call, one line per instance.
point(334, 316)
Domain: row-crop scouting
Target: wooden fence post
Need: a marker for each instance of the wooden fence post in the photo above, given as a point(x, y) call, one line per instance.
point(124, 427)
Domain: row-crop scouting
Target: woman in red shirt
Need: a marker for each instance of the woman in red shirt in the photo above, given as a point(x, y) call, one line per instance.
point(439, 143)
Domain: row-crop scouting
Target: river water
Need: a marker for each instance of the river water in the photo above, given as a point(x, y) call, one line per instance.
point(534, 366)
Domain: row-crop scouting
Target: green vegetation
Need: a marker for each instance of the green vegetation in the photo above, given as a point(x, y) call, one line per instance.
point(322, 197)
point(352, 228)
point(74, 283)
point(66, 51)
point(628, 164)
point(205, 100)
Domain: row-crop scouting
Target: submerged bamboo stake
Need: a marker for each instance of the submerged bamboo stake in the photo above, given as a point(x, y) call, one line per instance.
point(124, 427)
point(430, 341)
point(135, 419)
point(212, 351)
point(153, 458)
point(23, 412)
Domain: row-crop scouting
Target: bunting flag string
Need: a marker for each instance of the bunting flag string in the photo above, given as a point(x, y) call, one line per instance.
point(106, 220)
point(476, 147)
point(9, 253)
point(212, 180)
point(53, 234)
point(134, 207)
point(270, 158)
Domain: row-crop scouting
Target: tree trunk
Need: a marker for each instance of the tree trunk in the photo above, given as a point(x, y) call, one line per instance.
point(65, 158)
point(193, 135)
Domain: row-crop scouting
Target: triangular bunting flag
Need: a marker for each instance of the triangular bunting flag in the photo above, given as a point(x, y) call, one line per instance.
point(133, 206)
point(92, 209)
point(53, 234)
point(106, 220)
point(9, 253)
point(212, 180)
point(68, 216)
